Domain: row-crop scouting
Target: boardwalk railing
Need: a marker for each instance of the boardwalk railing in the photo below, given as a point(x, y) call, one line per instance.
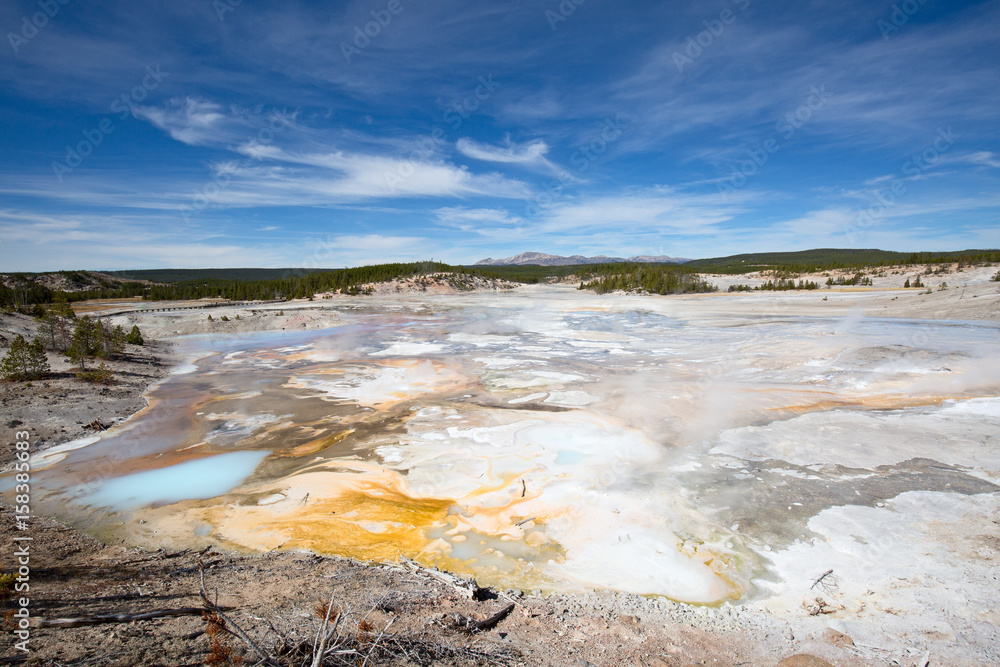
point(217, 304)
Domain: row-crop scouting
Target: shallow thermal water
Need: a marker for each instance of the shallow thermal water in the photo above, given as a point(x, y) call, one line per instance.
point(555, 441)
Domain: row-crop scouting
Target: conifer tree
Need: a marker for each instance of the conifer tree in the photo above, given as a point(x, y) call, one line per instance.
point(37, 362)
point(86, 342)
point(24, 361)
point(135, 336)
point(14, 365)
point(111, 340)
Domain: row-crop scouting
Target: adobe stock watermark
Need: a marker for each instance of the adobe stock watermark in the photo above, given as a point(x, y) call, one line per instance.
point(561, 14)
point(30, 25)
point(784, 130)
point(460, 111)
point(221, 179)
point(899, 17)
point(582, 158)
point(714, 28)
point(463, 109)
point(381, 18)
point(22, 541)
point(124, 106)
point(889, 196)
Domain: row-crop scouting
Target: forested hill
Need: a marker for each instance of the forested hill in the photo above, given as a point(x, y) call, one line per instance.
point(652, 279)
point(24, 290)
point(824, 259)
point(346, 281)
point(186, 275)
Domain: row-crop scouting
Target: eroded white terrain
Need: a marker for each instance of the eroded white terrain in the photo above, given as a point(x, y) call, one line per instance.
point(548, 439)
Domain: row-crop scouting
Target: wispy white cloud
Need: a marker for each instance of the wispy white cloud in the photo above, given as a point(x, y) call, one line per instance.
point(978, 158)
point(530, 153)
point(190, 120)
point(658, 209)
point(339, 176)
point(486, 222)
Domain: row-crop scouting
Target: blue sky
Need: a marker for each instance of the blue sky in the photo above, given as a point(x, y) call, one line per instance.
point(254, 133)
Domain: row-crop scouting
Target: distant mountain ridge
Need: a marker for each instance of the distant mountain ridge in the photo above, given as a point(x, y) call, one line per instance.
point(541, 259)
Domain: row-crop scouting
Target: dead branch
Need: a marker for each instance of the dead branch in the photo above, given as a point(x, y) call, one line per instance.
point(324, 633)
point(473, 627)
point(118, 618)
point(194, 568)
point(821, 578)
point(238, 630)
point(381, 634)
point(164, 554)
point(466, 587)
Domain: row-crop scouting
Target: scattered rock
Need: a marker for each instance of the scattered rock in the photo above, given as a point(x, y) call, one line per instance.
point(818, 606)
point(837, 638)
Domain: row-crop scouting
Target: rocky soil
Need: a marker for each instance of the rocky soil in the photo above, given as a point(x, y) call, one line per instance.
point(58, 408)
point(392, 614)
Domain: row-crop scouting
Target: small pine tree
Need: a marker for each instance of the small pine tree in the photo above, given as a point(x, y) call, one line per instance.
point(112, 341)
point(907, 283)
point(24, 361)
point(135, 336)
point(38, 363)
point(14, 365)
point(86, 341)
point(100, 375)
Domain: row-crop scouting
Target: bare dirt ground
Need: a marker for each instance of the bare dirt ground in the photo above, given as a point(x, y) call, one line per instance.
point(415, 617)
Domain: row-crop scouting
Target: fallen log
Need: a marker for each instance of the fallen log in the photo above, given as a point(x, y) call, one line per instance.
point(465, 587)
point(118, 618)
point(472, 626)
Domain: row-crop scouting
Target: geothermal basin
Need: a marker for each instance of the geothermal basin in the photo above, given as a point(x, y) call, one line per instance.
point(707, 450)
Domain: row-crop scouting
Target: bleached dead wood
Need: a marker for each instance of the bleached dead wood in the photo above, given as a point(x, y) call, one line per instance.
point(465, 587)
point(119, 618)
point(821, 578)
